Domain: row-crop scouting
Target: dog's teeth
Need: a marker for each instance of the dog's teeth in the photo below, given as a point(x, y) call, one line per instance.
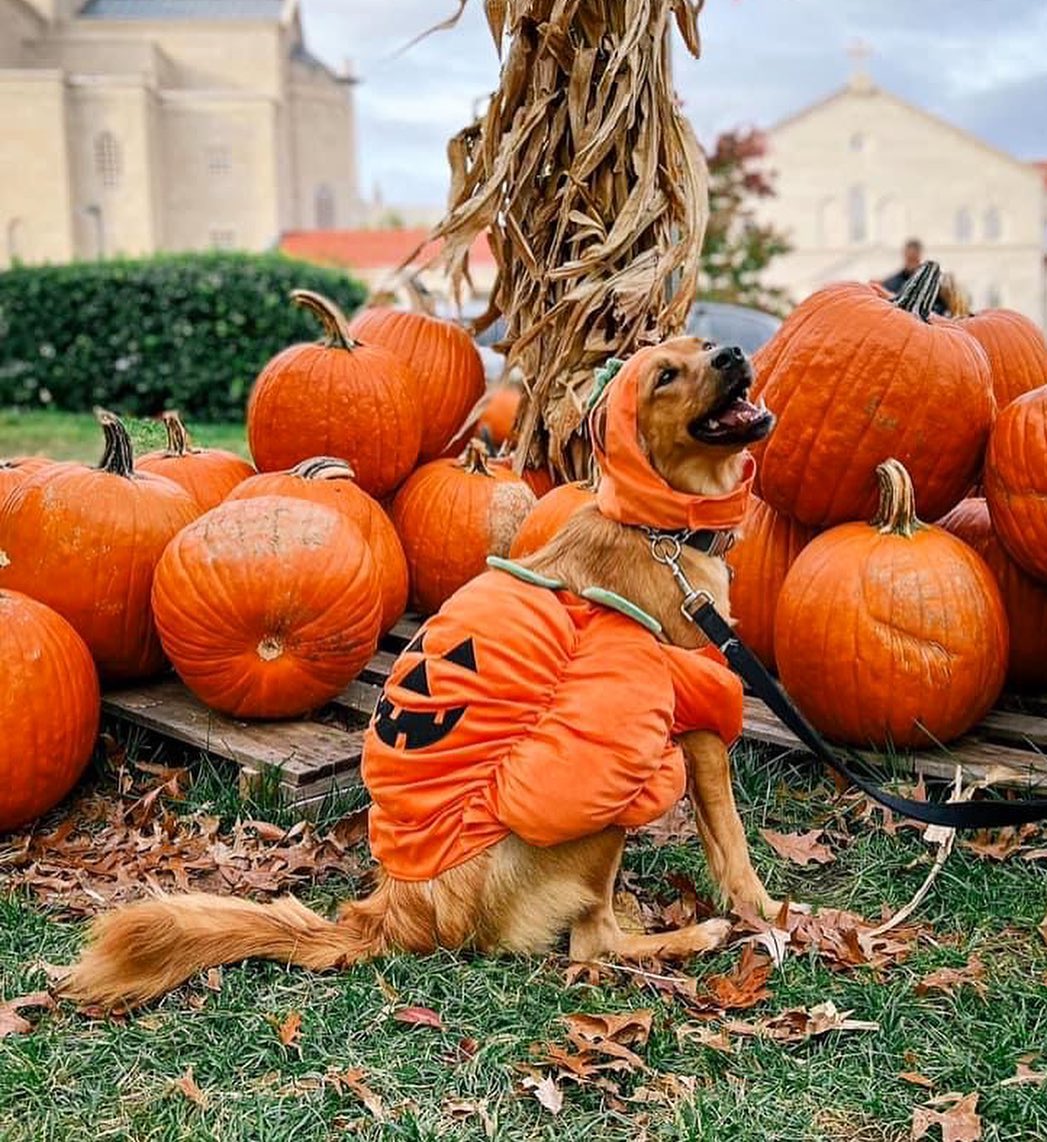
point(714, 424)
point(761, 404)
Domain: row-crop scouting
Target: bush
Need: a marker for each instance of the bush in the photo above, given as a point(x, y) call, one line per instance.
point(187, 331)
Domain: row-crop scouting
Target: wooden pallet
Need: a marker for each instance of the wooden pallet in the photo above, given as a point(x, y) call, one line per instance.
point(309, 760)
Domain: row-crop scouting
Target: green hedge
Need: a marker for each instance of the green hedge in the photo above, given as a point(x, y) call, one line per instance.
point(187, 331)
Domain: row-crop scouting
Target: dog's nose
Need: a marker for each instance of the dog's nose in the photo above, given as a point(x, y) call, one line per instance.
point(728, 358)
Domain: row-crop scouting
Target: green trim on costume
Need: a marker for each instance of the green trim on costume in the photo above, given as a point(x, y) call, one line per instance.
point(604, 376)
point(624, 606)
point(524, 574)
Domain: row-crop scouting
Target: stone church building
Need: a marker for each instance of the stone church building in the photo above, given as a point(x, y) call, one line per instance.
point(132, 126)
point(861, 171)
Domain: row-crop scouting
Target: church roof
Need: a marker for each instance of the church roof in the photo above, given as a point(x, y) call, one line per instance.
point(268, 10)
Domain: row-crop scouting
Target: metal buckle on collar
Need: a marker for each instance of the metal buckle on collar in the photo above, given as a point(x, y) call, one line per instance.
point(666, 548)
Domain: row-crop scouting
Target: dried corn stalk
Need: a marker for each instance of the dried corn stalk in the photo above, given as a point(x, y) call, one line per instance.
point(593, 190)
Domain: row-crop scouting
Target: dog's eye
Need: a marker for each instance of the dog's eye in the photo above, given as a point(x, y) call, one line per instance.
point(707, 345)
point(666, 377)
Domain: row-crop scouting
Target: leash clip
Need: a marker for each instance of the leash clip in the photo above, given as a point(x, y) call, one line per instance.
point(666, 548)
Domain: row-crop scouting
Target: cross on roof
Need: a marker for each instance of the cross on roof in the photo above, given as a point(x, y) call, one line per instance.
point(859, 50)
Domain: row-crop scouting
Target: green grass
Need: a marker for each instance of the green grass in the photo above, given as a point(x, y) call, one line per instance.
point(74, 1078)
point(76, 435)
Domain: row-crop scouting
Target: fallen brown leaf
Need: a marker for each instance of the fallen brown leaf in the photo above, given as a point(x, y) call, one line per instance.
point(999, 844)
point(11, 1023)
point(610, 1034)
point(744, 987)
point(800, 848)
point(352, 1080)
point(289, 1029)
point(459, 1109)
point(950, 980)
point(959, 1124)
point(213, 982)
point(916, 1079)
point(801, 1023)
point(717, 1040)
point(1024, 1075)
point(1042, 929)
point(187, 1085)
point(419, 1016)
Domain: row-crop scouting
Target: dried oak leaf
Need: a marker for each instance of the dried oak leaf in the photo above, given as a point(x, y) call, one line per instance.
point(999, 844)
point(547, 1093)
point(801, 1023)
point(610, 1034)
point(419, 1017)
point(11, 1023)
point(289, 1030)
point(744, 987)
point(352, 1080)
point(1024, 1075)
point(916, 1079)
point(950, 980)
point(187, 1085)
point(959, 1124)
point(800, 848)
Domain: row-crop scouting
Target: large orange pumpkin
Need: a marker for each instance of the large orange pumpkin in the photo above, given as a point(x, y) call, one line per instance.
point(452, 514)
point(759, 562)
point(49, 708)
point(207, 474)
point(891, 633)
point(338, 397)
point(497, 420)
point(1024, 599)
point(1016, 350)
point(268, 607)
point(855, 378)
point(324, 480)
point(1016, 480)
point(445, 364)
point(86, 541)
point(548, 516)
point(16, 469)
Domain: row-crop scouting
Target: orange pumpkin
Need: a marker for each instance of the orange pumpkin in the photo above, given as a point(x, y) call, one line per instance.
point(539, 480)
point(86, 541)
point(1016, 480)
point(443, 360)
point(324, 480)
point(1016, 350)
point(207, 474)
point(759, 561)
point(891, 633)
point(854, 378)
point(268, 607)
point(16, 469)
point(498, 418)
point(548, 516)
point(1024, 599)
point(338, 398)
point(49, 708)
point(452, 514)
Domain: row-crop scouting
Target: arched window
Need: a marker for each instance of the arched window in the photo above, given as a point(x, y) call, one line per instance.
point(14, 234)
point(108, 162)
point(857, 222)
point(219, 160)
point(324, 207)
point(857, 141)
point(993, 296)
point(964, 226)
point(993, 225)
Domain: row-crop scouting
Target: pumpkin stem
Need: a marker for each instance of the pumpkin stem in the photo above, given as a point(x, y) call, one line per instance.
point(474, 458)
point(323, 468)
point(897, 512)
point(920, 292)
point(118, 457)
point(334, 321)
point(177, 436)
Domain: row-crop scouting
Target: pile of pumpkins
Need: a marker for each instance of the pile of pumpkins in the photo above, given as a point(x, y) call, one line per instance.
point(267, 589)
point(884, 629)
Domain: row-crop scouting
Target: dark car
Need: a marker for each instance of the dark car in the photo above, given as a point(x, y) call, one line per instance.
point(728, 324)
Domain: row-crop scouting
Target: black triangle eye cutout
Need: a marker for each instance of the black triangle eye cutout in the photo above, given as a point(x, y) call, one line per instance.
point(464, 654)
point(417, 680)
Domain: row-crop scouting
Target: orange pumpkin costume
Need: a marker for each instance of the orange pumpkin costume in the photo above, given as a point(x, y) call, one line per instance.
point(526, 709)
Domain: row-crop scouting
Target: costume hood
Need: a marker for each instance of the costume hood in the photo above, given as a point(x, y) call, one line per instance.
point(631, 491)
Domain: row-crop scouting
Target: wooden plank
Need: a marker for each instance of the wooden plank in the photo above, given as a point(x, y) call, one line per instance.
point(1019, 729)
point(359, 699)
point(981, 760)
point(402, 633)
point(377, 670)
point(302, 751)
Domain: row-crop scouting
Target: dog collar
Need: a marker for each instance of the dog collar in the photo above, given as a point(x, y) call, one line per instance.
point(714, 542)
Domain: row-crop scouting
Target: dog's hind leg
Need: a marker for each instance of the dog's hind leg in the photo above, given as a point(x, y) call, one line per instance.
point(719, 826)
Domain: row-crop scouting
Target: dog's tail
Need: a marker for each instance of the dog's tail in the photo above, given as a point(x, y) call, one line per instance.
point(139, 952)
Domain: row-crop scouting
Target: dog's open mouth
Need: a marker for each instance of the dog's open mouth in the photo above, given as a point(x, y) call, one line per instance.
point(735, 421)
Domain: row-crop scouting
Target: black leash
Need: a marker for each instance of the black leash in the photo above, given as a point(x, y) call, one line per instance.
point(698, 608)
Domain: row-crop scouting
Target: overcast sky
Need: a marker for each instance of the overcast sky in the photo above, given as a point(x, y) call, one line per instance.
point(981, 64)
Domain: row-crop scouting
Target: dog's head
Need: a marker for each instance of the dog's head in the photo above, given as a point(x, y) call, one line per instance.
point(682, 406)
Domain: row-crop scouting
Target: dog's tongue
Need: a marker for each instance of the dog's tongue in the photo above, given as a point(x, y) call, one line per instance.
point(738, 414)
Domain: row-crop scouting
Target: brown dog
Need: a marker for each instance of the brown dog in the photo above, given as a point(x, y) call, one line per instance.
point(692, 424)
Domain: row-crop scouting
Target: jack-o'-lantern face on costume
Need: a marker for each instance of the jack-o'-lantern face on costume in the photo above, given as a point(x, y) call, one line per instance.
point(417, 729)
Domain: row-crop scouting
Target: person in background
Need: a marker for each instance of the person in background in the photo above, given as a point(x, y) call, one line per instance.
point(912, 259)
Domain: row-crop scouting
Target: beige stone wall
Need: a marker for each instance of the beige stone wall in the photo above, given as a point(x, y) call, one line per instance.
point(112, 166)
point(916, 177)
point(321, 127)
point(19, 26)
point(35, 206)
